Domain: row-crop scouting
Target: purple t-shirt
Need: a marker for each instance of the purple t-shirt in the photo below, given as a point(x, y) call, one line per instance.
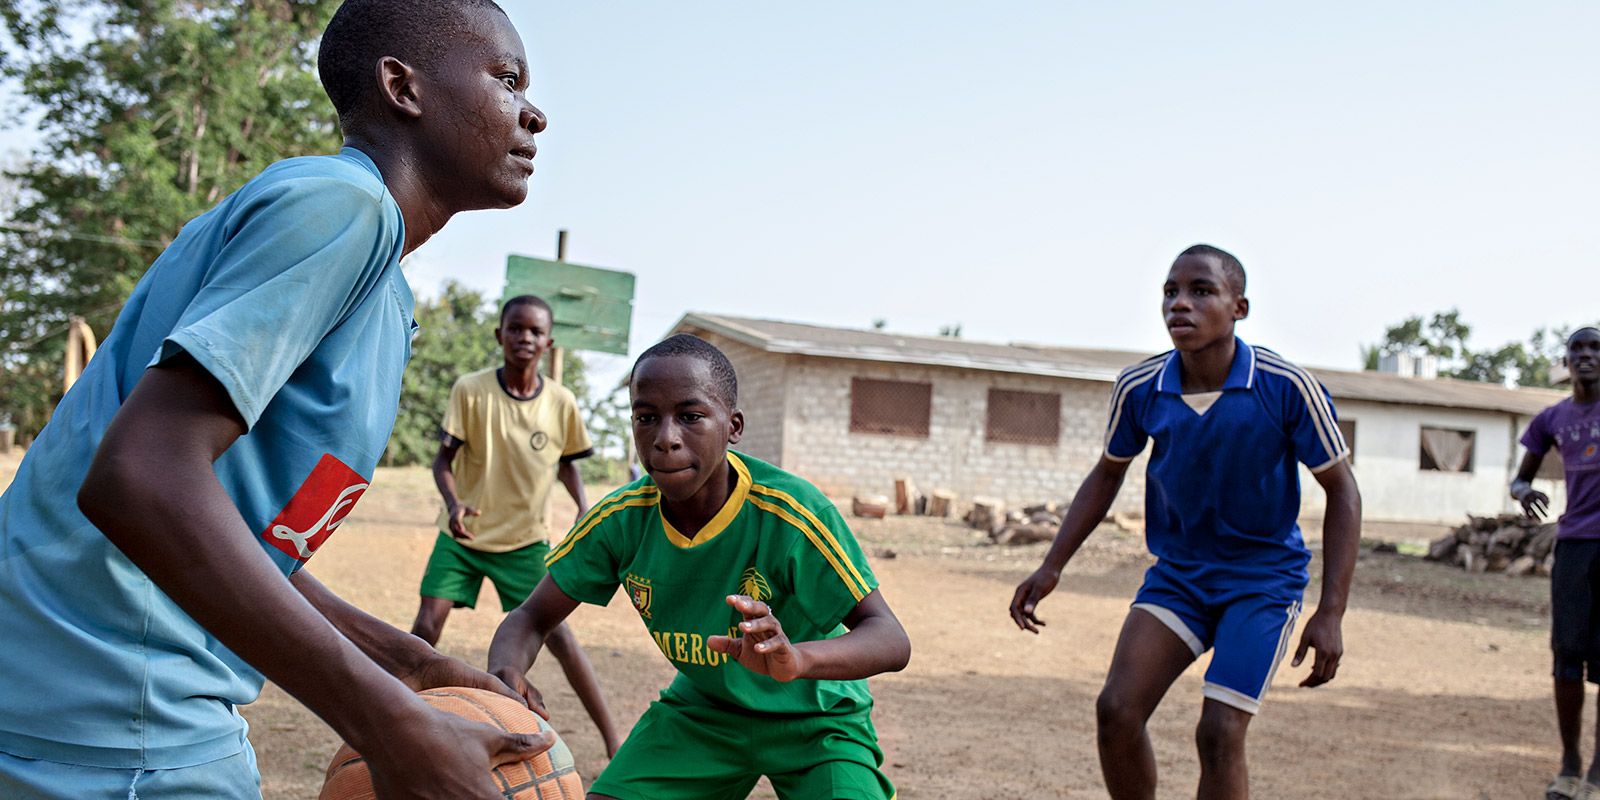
point(1575, 431)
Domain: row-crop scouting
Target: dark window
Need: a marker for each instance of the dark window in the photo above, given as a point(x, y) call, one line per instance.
point(898, 408)
point(1347, 429)
point(1024, 417)
point(1446, 450)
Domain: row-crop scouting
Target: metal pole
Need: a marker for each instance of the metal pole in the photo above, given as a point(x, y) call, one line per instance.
point(558, 355)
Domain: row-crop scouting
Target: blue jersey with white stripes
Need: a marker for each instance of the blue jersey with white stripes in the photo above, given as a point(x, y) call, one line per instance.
point(1222, 490)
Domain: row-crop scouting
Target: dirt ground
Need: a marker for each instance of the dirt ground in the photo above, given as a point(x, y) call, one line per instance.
point(1444, 691)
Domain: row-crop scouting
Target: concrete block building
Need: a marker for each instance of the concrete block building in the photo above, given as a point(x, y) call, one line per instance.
point(851, 410)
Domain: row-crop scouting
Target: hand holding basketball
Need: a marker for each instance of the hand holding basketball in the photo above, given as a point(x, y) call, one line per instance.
point(434, 755)
point(464, 743)
point(763, 647)
point(436, 670)
point(524, 690)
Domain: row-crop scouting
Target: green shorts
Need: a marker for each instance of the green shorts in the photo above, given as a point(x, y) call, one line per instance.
point(695, 752)
point(456, 572)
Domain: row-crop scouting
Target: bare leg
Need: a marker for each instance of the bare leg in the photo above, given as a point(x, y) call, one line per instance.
point(580, 674)
point(1569, 721)
point(431, 615)
point(1594, 764)
point(1149, 658)
point(1220, 739)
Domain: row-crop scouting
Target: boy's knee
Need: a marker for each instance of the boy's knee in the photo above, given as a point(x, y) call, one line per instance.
point(1115, 715)
point(1220, 736)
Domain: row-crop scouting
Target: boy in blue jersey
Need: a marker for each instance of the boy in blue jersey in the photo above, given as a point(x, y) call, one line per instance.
point(152, 543)
point(1230, 422)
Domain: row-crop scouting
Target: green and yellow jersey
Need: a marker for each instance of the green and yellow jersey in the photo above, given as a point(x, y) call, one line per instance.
point(778, 539)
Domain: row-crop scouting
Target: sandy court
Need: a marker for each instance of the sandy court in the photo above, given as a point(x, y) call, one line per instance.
point(1444, 692)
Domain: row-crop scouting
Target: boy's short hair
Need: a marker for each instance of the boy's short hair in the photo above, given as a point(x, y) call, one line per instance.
point(1581, 329)
point(725, 384)
point(526, 300)
point(1231, 268)
point(418, 32)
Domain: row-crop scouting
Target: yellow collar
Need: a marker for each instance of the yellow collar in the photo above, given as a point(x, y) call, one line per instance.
point(720, 522)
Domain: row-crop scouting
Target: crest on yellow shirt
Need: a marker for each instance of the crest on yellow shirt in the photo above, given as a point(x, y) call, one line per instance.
point(639, 594)
point(539, 439)
point(753, 585)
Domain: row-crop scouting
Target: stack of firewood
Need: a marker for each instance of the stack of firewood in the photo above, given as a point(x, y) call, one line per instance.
point(1036, 523)
point(1509, 543)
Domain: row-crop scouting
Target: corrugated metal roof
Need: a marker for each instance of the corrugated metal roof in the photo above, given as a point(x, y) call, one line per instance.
point(776, 336)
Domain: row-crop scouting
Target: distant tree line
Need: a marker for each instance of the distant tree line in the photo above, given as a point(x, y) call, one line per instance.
point(1444, 336)
point(150, 112)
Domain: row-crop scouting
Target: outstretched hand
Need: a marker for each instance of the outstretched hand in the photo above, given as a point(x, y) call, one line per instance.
point(1324, 634)
point(1041, 583)
point(1535, 504)
point(762, 646)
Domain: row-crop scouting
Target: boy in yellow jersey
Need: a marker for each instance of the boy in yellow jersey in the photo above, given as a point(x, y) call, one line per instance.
point(752, 587)
point(507, 432)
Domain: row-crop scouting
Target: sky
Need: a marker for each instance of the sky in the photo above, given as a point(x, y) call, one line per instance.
point(1028, 170)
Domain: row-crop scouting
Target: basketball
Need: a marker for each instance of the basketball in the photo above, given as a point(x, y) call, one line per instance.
point(547, 776)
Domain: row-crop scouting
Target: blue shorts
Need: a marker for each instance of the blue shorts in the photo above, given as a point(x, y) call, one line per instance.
point(1249, 628)
point(231, 778)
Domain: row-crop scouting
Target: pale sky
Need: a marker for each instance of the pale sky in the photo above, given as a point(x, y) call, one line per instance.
point(1030, 169)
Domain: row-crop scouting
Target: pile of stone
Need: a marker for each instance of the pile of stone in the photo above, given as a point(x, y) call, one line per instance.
point(1509, 543)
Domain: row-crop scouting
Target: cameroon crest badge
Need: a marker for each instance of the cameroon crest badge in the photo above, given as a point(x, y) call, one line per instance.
point(753, 585)
point(639, 594)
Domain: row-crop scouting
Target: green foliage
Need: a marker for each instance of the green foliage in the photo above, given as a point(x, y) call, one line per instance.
point(1445, 336)
point(455, 336)
point(151, 112)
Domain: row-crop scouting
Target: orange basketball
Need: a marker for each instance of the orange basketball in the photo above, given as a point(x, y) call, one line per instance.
point(547, 776)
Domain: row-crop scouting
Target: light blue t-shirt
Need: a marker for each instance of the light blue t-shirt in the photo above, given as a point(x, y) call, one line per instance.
point(290, 294)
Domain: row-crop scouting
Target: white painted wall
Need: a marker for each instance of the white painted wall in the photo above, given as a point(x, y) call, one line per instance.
point(797, 415)
point(1395, 488)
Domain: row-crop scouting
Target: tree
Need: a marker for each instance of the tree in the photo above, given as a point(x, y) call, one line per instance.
point(152, 111)
point(455, 335)
point(1444, 336)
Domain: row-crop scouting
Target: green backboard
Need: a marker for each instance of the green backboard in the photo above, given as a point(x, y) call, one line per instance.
point(593, 306)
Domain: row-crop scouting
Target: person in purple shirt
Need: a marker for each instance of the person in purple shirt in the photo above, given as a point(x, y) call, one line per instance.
point(1572, 427)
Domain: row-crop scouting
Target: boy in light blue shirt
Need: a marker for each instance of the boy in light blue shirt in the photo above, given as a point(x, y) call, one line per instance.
point(152, 544)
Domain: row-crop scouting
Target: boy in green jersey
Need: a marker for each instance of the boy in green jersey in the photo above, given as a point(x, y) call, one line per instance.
point(750, 584)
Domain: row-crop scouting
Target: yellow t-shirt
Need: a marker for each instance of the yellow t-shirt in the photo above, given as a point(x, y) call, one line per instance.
point(508, 461)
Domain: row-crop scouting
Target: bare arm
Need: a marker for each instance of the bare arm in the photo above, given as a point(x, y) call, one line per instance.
point(1088, 509)
point(400, 654)
point(569, 476)
point(153, 491)
point(521, 636)
point(444, 477)
point(1341, 540)
point(1534, 502)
